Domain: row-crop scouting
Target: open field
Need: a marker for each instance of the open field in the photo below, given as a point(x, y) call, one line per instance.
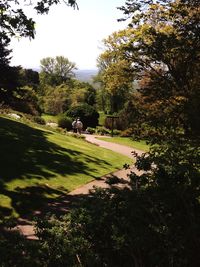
point(38, 165)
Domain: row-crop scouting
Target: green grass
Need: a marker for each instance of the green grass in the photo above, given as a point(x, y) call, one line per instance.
point(38, 165)
point(50, 118)
point(127, 142)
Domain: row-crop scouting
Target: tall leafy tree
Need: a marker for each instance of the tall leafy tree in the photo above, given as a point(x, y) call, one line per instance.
point(164, 51)
point(114, 69)
point(58, 70)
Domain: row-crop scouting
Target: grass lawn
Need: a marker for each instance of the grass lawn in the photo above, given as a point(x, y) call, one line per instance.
point(38, 165)
point(50, 118)
point(127, 142)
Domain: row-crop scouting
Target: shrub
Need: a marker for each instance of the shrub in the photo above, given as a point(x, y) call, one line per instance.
point(88, 115)
point(116, 132)
point(91, 130)
point(39, 120)
point(65, 122)
point(102, 130)
point(127, 133)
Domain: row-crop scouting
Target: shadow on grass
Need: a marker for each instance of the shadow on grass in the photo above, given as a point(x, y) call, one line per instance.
point(27, 201)
point(26, 154)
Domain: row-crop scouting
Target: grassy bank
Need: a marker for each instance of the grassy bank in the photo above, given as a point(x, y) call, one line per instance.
point(127, 142)
point(38, 165)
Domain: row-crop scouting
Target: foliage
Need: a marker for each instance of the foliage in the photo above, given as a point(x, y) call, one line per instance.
point(88, 115)
point(29, 78)
point(55, 71)
point(26, 100)
point(114, 70)
point(130, 114)
point(165, 47)
point(14, 21)
point(39, 120)
point(9, 83)
point(102, 130)
point(82, 92)
point(56, 99)
point(65, 122)
point(91, 130)
point(127, 133)
point(16, 84)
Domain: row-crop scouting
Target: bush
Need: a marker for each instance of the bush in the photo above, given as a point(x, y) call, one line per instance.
point(88, 115)
point(91, 130)
point(116, 132)
point(65, 122)
point(102, 130)
point(39, 120)
point(127, 133)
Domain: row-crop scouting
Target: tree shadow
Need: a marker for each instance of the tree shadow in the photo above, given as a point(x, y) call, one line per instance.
point(26, 153)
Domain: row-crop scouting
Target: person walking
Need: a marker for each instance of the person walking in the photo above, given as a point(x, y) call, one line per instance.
point(79, 126)
point(74, 126)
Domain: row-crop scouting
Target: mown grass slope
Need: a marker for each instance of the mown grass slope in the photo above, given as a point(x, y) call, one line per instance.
point(37, 165)
point(126, 141)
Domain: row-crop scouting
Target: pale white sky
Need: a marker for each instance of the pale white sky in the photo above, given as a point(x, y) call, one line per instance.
point(75, 34)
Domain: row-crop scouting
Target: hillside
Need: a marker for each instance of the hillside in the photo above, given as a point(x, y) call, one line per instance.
point(38, 165)
point(85, 75)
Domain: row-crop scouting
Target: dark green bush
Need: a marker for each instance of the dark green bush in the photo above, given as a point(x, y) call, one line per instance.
point(116, 132)
point(65, 122)
point(39, 120)
point(91, 130)
point(102, 130)
point(127, 133)
point(88, 115)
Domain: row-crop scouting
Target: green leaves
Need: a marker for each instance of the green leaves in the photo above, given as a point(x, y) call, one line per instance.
point(55, 71)
point(14, 21)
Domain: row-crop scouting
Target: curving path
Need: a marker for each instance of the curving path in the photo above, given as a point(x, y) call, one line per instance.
point(27, 228)
point(123, 174)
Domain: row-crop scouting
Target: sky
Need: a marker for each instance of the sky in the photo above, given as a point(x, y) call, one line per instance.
point(75, 34)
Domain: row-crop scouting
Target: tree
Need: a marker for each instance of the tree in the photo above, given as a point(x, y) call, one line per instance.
point(114, 69)
point(164, 51)
point(30, 78)
point(82, 92)
point(55, 71)
point(14, 21)
point(56, 99)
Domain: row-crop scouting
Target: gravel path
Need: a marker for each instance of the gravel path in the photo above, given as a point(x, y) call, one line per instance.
point(26, 226)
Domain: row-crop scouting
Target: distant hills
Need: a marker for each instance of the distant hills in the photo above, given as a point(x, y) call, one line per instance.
point(81, 75)
point(85, 75)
